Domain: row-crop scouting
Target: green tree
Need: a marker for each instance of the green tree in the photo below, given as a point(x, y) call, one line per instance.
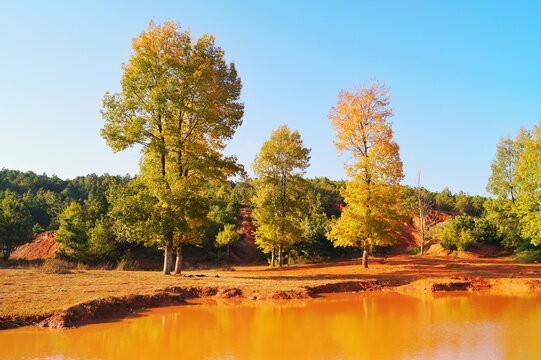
point(486, 231)
point(361, 123)
point(516, 182)
point(463, 203)
point(457, 233)
point(72, 235)
point(279, 166)
point(445, 200)
point(15, 223)
point(83, 238)
point(228, 236)
point(528, 184)
point(502, 180)
point(179, 102)
point(501, 213)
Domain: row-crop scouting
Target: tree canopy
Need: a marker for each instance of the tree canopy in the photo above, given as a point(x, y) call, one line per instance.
point(179, 102)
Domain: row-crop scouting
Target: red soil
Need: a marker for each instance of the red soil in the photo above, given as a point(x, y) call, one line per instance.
point(42, 247)
point(245, 251)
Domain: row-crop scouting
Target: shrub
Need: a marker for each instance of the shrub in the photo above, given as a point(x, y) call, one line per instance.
point(56, 266)
point(465, 240)
point(458, 233)
point(126, 263)
point(530, 255)
point(487, 231)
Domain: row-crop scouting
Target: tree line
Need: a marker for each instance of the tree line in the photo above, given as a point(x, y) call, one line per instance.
point(179, 104)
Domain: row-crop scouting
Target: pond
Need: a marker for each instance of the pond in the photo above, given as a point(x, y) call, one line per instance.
point(335, 326)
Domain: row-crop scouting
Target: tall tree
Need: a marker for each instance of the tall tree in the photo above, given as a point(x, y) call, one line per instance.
point(179, 102)
point(502, 180)
point(362, 127)
point(528, 180)
point(516, 182)
point(279, 166)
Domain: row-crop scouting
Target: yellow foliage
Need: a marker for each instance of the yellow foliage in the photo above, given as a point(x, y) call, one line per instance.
point(362, 127)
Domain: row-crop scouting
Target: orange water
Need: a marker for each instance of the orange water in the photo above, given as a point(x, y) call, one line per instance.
point(340, 326)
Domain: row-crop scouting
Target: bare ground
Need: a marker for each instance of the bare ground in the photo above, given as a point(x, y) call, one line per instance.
point(32, 297)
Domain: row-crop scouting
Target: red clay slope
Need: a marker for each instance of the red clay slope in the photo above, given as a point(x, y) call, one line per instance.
point(245, 251)
point(42, 247)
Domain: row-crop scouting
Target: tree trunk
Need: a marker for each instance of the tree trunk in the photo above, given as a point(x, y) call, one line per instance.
point(178, 262)
point(365, 256)
point(227, 252)
point(422, 222)
point(280, 256)
point(168, 257)
point(272, 256)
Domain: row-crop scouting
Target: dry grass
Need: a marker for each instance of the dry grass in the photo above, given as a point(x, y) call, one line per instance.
point(26, 292)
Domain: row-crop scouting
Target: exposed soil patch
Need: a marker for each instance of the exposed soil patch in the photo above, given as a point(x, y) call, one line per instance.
point(107, 308)
point(42, 247)
point(245, 251)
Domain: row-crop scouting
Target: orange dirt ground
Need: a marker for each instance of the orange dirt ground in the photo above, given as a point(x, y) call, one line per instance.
point(28, 296)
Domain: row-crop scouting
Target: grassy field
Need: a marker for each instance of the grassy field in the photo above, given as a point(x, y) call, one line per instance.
point(26, 292)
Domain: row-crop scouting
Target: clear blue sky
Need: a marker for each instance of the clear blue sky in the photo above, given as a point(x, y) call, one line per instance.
point(462, 74)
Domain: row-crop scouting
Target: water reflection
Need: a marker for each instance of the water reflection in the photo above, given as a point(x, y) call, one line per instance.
point(341, 326)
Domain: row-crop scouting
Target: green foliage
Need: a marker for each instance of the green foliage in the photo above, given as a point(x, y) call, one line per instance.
point(500, 212)
point(529, 255)
point(457, 233)
point(486, 231)
point(72, 236)
point(228, 236)
point(516, 181)
point(463, 232)
point(316, 244)
point(36, 229)
point(502, 182)
point(15, 223)
point(83, 240)
point(46, 197)
point(445, 201)
point(277, 203)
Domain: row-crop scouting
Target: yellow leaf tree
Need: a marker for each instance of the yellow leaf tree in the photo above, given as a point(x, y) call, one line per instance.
point(362, 127)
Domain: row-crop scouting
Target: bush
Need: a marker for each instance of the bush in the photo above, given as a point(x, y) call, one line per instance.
point(486, 231)
point(462, 232)
point(531, 255)
point(458, 233)
point(126, 263)
point(466, 240)
point(56, 266)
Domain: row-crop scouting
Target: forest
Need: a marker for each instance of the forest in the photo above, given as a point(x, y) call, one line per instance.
point(179, 103)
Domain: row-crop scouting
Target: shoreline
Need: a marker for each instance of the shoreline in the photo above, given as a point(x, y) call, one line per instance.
point(113, 308)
